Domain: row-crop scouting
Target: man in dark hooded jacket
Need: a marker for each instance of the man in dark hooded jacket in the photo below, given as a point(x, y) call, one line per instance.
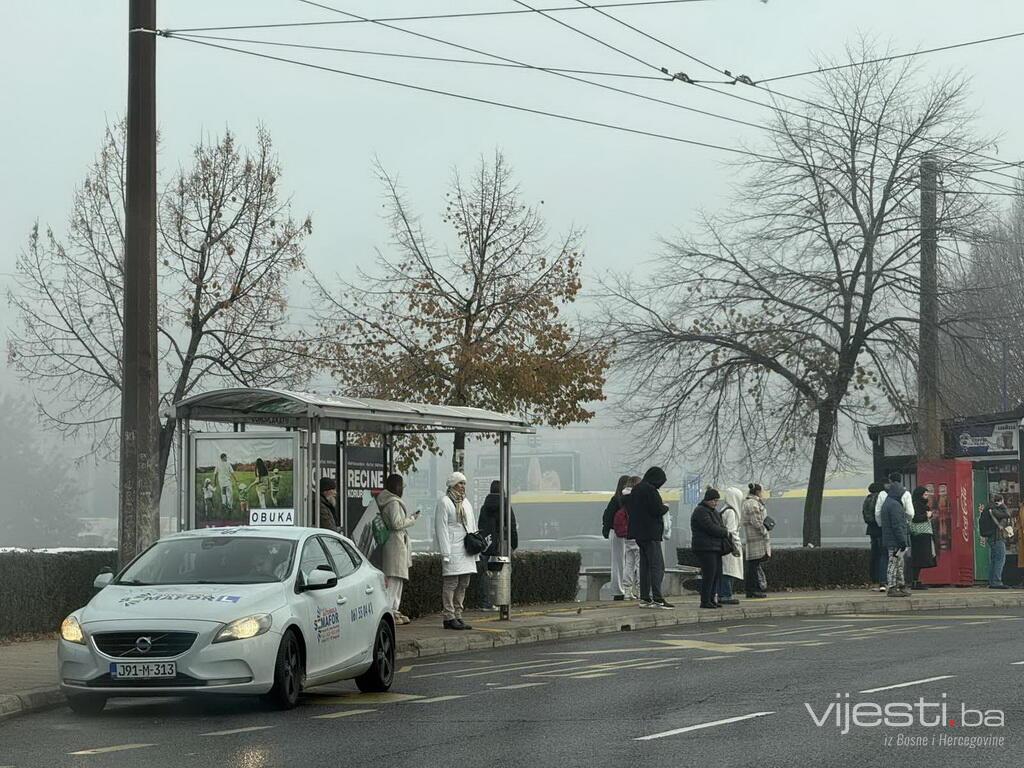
point(895, 539)
point(647, 527)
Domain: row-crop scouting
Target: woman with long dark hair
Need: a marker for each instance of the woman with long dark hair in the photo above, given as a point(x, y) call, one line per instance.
point(922, 537)
point(618, 545)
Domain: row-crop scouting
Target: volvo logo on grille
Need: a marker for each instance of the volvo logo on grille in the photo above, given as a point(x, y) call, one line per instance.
point(144, 644)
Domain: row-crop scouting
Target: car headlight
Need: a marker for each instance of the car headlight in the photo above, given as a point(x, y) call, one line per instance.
point(71, 631)
point(243, 629)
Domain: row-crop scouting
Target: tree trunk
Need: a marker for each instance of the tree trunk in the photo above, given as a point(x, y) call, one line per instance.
point(816, 480)
point(459, 453)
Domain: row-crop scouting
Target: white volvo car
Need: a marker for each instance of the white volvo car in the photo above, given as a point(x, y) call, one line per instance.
point(231, 610)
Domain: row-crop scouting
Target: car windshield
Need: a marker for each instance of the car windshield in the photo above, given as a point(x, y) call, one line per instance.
point(212, 560)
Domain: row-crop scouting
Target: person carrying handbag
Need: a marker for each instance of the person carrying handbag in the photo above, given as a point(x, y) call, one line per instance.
point(454, 521)
point(994, 525)
point(396, 555)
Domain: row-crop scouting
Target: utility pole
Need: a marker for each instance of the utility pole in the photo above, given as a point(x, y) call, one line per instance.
point(139, 500)
point(928, 425)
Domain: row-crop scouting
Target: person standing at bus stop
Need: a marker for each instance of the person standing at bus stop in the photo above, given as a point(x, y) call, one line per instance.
point(396, 559)
point(994, 525)
point(453, 519)
point(873, 530)
point(618, 543)
point(646, 512)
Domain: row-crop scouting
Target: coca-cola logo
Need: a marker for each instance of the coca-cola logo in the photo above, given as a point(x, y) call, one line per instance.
point(965, 514)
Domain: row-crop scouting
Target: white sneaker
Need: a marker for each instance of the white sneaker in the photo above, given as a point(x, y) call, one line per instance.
point(882, 588)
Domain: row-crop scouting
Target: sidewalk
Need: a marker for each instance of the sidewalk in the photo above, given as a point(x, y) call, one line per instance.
point(28, 669)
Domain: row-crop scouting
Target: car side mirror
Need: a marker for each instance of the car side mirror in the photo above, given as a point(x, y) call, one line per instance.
point(320, 579)
point(103, 580)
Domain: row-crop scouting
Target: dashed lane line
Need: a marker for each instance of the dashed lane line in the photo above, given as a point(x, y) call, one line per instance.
point(501, 668)
point(517, 686)
point(701, 726)
point(105, 750)
point(233, 731)
point(1018, 663)
point(343, 713)
point(361, 699)
point(907, 685)
point(438, 699)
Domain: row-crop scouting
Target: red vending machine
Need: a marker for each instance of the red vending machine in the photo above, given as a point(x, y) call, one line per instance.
point(951, 484)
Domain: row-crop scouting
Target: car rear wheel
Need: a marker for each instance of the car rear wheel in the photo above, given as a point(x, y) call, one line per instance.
point(288, 673)
point(88, 705)
point(381, 674)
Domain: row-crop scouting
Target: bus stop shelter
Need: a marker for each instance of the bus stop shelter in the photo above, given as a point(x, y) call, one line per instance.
point(298, 421)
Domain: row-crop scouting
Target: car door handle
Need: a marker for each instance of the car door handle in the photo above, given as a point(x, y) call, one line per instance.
point(369, 590)
point(342, 600)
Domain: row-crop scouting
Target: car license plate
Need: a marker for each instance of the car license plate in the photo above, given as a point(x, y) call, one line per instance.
point(147, 670)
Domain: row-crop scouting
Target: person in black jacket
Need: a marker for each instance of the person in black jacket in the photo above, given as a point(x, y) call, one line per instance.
point(647, 527)
point(994, 525)
point(874, 532)
point(490, 512)
point(618, 545)
point(710, 540)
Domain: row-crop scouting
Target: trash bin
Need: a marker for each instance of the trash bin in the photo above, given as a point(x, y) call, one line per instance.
point(500, 581)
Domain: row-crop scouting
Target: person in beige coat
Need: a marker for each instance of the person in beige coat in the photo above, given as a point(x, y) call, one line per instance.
point(758, 540)
point(396, 557)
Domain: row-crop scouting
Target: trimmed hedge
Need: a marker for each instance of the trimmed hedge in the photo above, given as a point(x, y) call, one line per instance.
point(807, 568)
point(537, 577)
point(38, 589)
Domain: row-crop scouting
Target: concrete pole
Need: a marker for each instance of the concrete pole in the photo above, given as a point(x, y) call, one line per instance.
point(929, 427)
point(139, 500)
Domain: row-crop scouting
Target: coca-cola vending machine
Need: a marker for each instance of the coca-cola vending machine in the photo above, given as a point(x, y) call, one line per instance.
point(951, 484)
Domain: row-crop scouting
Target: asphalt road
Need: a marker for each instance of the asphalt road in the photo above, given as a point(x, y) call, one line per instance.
point(728, 695)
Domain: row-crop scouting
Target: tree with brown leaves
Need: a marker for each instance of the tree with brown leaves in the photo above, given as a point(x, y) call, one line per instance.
point(480, 324)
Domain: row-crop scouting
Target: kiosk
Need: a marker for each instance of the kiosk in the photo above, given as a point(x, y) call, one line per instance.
point(267, 469)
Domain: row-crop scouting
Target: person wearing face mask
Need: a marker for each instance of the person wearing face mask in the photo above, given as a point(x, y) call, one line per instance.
point(453, 519)
point(329, 504)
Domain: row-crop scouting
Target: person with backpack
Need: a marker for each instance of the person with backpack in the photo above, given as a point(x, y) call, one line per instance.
point(616, 542)
point(396, 555)
point(994, 526)
point(877, 573)
point(895, 538)
point(631, 550)
point(646, 512)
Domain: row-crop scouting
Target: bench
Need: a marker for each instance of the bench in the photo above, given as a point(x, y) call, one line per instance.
point(671, 585)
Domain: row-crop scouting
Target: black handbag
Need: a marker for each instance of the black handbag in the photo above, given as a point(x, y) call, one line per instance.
point(475, 542)
point(769, 523)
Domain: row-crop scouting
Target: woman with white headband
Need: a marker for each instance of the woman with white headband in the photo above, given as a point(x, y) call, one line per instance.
point(453, 519)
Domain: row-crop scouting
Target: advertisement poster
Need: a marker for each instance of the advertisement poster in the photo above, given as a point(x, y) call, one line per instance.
point(537, 472)
point(365, 480)
point(985, 439)
point(243, 479)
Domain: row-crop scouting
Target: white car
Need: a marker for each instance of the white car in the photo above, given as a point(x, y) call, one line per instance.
point(231, 610)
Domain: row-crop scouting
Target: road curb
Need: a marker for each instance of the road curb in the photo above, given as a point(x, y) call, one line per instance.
point(12, 704)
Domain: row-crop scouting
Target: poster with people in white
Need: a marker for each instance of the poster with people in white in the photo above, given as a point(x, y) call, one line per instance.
point(244, 480)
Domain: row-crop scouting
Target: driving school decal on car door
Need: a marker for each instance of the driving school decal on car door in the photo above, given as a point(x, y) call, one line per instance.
point(327, 624)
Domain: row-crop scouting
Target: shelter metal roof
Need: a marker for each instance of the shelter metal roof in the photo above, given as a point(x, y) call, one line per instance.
point(278, 407)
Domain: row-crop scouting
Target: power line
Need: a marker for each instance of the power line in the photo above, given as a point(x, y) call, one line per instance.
point(392, 54)
point(479, 100)
point(893, 57)
point(435, 16)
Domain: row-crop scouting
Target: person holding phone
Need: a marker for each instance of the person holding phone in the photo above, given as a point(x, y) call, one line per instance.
point(396, 557)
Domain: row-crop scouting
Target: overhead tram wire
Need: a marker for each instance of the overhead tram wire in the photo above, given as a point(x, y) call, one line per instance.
point(516, 62)
point(434, 16)
point(442, 59)
point(474, 99)
point(748, 81)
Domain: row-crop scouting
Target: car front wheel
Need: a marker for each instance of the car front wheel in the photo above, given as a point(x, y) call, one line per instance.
point(88, 705)
point(287, 673)
point(381, 674)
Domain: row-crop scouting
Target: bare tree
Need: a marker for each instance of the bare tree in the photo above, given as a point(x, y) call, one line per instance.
point(799, 309)
point(479, 325)
point(226, 249)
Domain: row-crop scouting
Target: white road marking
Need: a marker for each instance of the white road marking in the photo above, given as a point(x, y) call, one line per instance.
point(517, 686)
point(238, 730)
point(711, 658)
point(104, 750)
point(1018, 663)
point(436, 699)
point(907, 685)
point(343, 713)
point(687, 729)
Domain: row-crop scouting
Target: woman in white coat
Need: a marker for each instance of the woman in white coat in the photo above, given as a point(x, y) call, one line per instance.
point(453, 518)
point(732, 565)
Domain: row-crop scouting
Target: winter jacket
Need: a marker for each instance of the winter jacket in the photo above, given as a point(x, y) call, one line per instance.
point(987, 526)
point(397, 556)
point(451, 537)
point(731, 504)
point(895, 524)
point(870, 505)
point(758, 538)
point(328, 515)
point(646, 509)
point(708, 530)
point(608, 518)
point(489, 514)
point(905, 498)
